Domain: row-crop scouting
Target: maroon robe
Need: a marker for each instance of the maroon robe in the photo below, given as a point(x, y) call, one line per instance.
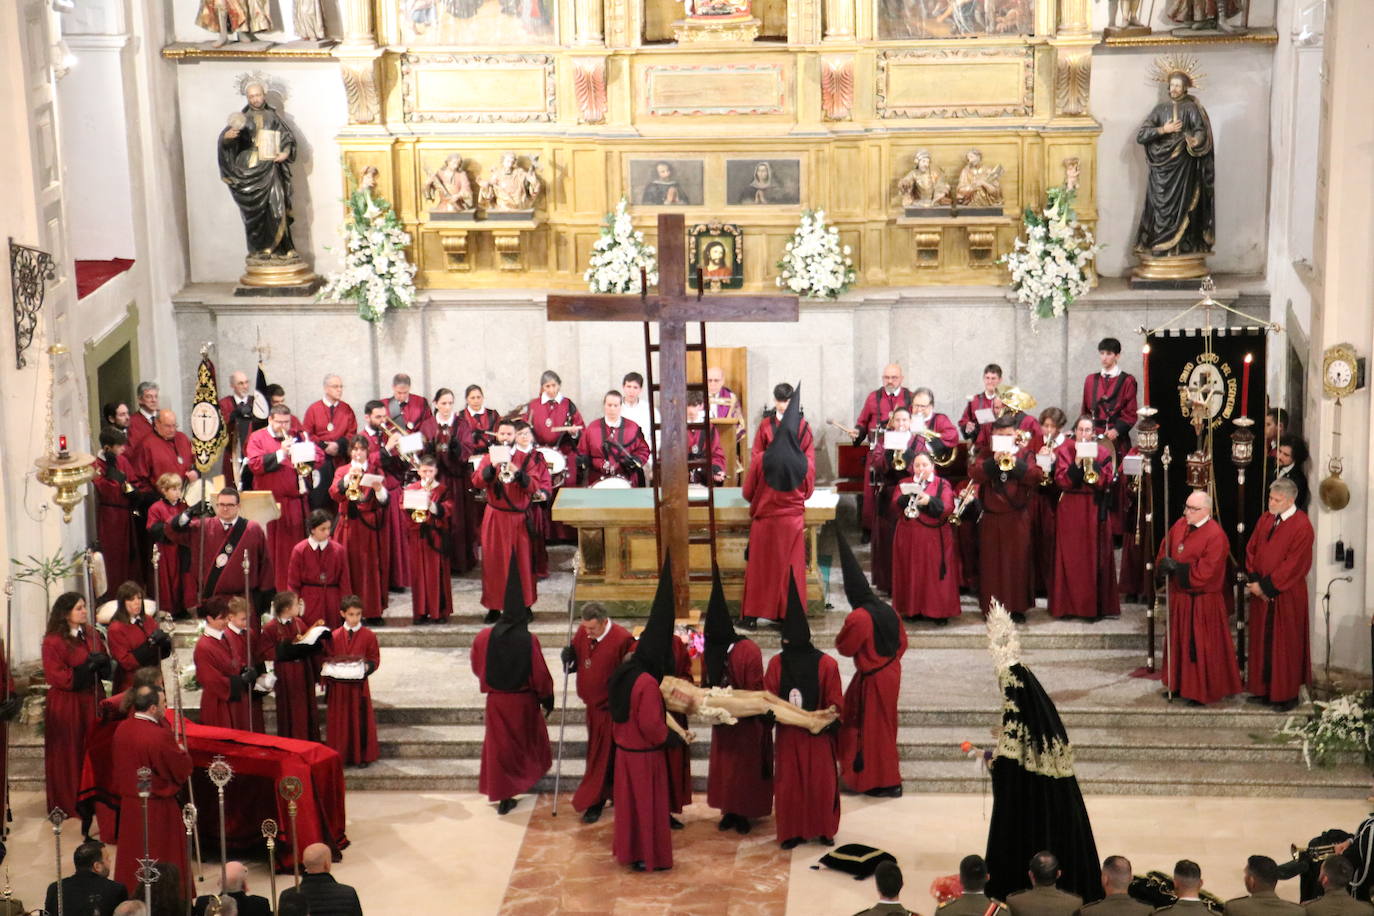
point(230, 579)
point(124, 639)
point(740, 779)
point(139, 742)
point(1029, 436)
point(411, 414)
point(1279, 556)
point(1004, 547)
point(218, 661)
point(1134, 578)
point(350, 725)
point(431, 584)
point(877, 409)
point(677, 753)
point(604, 459)
point(870, 706)
point(777, 542)
point(116, 525)
point(1044, 503)
point(324, 424)
point(642, 833)
point(233, 448)
point(473, 440)
point(1084, 580)
point(1112, 402)
point(976, 402)
point(443, 443)
point(278, 475)
point(698, 475)
point(69, 714)
point(140, 428)
point(322, 579)
point(543, 415)
point(297, 668)
point(1200, 663)
point(504, 527)
point(925, 552)
point(880, 483)
point(596, 662)
point(806, 779)
point(176, 588)
point(157, 456)
point(360, 530)
point(769, 425)
point(515, 746)
point(395, 470)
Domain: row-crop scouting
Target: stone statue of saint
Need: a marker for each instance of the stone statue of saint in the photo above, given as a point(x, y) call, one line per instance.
point(1179, 215)
point(449, 188)
point(979, 185)
point(307, 19)
point(1198, 15)
point(256, 149)
point(924, 185)
point(511, 187)
point(234, 16)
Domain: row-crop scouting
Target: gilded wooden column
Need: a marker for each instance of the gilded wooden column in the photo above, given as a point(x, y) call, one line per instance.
point(359, 57)
point(839, 20)
point(1074, 17)
point(588, 20)
point(357, 22)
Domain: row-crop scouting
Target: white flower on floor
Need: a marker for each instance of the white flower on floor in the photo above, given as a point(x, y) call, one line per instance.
point(1345, 724)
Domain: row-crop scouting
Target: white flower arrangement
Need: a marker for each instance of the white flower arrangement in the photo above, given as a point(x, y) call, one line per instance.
point(814, 263)
point(1343, 724)
point(1051, 265)
point(377, 276)
point(620, 256)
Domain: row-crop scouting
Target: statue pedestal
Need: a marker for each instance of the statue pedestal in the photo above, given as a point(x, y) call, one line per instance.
point(723, 30)
point(277, 277)
point(1179, 271)
point(1125, 31)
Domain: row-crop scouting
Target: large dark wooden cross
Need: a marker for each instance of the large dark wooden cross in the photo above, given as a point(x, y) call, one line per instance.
point(672, 309)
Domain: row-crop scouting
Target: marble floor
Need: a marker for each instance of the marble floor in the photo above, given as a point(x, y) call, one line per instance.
point(430, 853)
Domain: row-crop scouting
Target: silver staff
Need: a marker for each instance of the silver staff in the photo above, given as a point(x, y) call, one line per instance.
point(248, 635)
point(269, 833)
point(220, 773)
point(188, 820)
point(290, 788)
point(147, 866)
point(1167, 459)
point(57, 816)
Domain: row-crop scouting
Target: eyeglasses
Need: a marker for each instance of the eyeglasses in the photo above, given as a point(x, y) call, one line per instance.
point(1187, 508)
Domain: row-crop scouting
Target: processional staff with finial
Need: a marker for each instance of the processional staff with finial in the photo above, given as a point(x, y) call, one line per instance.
point(220, 773)
point(147, 872)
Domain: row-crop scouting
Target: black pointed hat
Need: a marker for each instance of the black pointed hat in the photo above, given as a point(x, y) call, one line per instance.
point(860, 594)
point(784, 462)
point(508, 645)
point(796, 631)
point(719, 632)
point(799, 678)
point(655, 648)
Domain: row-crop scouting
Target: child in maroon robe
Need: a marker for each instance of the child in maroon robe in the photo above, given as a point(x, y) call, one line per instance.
point(296, 663)
point(426, 531)
point(115, 523)
point(134, 637)
point(350, 725)
point(319, 572)
point(176, 589)
point(362, 518)
point(506, 525)
point(257, 651)
point(224, 675)
point(74, 661)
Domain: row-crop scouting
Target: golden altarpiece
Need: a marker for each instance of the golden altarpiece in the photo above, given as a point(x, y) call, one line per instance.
point(819, 104)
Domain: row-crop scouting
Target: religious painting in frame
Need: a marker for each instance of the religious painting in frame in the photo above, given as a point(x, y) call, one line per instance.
point(920, 19)
point(667, 182)
point(715, 256)
point(763, 182)
point(476, 23)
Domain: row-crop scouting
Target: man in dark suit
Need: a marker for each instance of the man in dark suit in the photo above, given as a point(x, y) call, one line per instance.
point(1336, 875)
point(1188, 887)
point(90, 886)
point(326, 896)
point(236, 886)
point(1261, 879)
point(1043, 898)
point(973, 875)
point(888, 877)
point(1116, 880)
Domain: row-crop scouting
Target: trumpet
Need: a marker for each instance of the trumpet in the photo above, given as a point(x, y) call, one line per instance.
point(419, 516)
point(1090, 475)
point(507, 473)
point(1316, 853)
point(898, 460)
point(354, 490)
point(1006, 461)
point(912, 508)
point(966, 496)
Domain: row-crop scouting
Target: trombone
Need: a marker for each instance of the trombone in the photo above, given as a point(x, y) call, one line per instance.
point(394, 429)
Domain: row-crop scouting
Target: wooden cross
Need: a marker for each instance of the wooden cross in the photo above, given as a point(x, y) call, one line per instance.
point(672, 308)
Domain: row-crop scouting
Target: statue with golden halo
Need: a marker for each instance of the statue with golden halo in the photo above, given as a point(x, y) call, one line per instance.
point(1178, 223)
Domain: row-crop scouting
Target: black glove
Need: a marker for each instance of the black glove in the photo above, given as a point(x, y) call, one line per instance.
point(1167, 566)
point(1075, 473)
point(100, 663)
point(674, 740)
point(160, 636)
point(569, 657)
point(147, 654)
point(9, 709)
point(370, 667)
point(83, 676)
point(488, 473)
point(990, 468)
point(249, 674)
point(522, 478)
point(1018, 470)
point(199, 510)
point(547, 703)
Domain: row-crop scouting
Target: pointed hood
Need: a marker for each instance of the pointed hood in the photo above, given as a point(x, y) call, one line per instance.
point(719, 632)
point(653, 654)
point(800, 660)
point(784, 462)
point(857, 590)
point(508, 646)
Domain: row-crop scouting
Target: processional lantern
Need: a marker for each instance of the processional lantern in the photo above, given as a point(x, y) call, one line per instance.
point(65, 471)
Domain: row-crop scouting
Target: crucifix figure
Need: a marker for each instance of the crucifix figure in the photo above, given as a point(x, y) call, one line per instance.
point(671, 309)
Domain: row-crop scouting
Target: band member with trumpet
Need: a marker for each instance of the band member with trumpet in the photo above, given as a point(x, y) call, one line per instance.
point(557, 424)
point(969, 424)
point(116, 505)
point(1083, 583)
point(925, 557)
point(274, 469)
point(442, 440)
point(476, 433)
point(782, 396)
point(361, 524)
point(874, 417)
point(427, 522)
point(319, 572)
point(296, 664)
point(885, 468)
point(696, 449)
point(332, 423)
point(176, 587)
point(350, 723)
point(1277, 559)
point(397, 467)
point(1046, 499)
point(1007, 476)
point(612, 446)
point(133, 635)
point(146, 740)
point(512, 489)
point(407, 411)
point(75, 660)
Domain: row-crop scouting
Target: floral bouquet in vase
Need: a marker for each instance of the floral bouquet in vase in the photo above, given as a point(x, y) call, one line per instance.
point(814, 264)
point(376, 275)
point(1051, 265)
point(621, 256)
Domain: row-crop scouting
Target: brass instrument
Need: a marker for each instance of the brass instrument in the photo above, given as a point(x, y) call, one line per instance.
point(898, 460)
point(911, 510)
point(1006, 461)
point(391, 427)
point(1090, 475)
point(507, 472)
point(1315, 853)
point(419, 516)
point(354, 490)
point(966, 496)
point(931, 438)
point(1014, 400)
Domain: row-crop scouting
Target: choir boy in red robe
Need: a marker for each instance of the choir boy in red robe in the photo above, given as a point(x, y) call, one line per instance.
point(116, 525)
point(696, 450)
point(925, 556)
point(1200, 664)
point(639, 730)
point(874, 637)
point(142, 420)
point(296, 663)
point(269, 456)
point(1046, 499)
point(476, 433)
point(134, 637)
point(873, 419)
point(217, 547)
point(224, 674)
point(331, 423)
point(598, 647)
point(806, 779)
point(777, 488)
point(431, 585)
point(782, 396)
point(383, 452)
point(146, 740)
point(511, 672)
point(740, 780)
point(176, 588)
point(257, 651)
point(240, 420)
point(442, 442)
point(350, 725)
point(1277, 560)
point(612, 446)
point(1004, 547)
point(506, 526)
point(1083, 584)
point(74, 661)
point(1110, 398)
point(983, 400)
point(166, 451)
point(319, 572)
point(557, 424)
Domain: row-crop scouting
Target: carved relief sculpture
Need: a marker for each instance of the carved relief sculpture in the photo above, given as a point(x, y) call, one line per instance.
point(589, 82)
point(924, 185)
point(837, 88)
point(1200, 15)
point(510, 187)
point(450, 189)
point(234, 17)
point(307, 19)
point(979, 185)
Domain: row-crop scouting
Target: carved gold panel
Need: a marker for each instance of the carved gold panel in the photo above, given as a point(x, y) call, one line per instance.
point(956, 83)
point(512, 88)
point(715, 89)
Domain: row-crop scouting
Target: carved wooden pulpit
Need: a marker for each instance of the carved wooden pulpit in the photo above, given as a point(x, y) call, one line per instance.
point(671, 309)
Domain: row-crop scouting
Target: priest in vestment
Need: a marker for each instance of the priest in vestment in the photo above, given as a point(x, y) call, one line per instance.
point(217, 547)
point(260, 184)
point(1180, 208)
point(1004, 547)
point(1083, 584)
point(145, 739)
point(874, 637)
point(274, 470)
point(319, 572)
point(1277, 560)
point(511, 672)
point(350, 726)
point(777, 487)
point(505, 527)
point(806, 778)
point(598, 647)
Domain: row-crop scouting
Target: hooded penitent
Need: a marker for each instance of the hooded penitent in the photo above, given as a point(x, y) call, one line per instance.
point(784, 462)
point(508, 648)
point(800, 681)
point(653, 652)
point(719, 632)
point(886, 624)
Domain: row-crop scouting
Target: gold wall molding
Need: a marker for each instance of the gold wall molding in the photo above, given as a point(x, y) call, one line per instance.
point(478, 88)
point(990, 82)
point(1072, 80)
point(360, 88)
point(715, 89)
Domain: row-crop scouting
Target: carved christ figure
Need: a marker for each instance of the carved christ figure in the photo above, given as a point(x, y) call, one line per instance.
point(511, 187)
point(727, 705)
point(924, 185)
point(450, 187)
point(979, 185)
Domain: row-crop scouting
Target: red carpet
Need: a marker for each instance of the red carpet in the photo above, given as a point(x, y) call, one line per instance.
point(91, 275)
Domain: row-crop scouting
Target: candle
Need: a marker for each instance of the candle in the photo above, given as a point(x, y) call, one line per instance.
point(62, 444)
point(1245, 387)
point(1145, 374)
